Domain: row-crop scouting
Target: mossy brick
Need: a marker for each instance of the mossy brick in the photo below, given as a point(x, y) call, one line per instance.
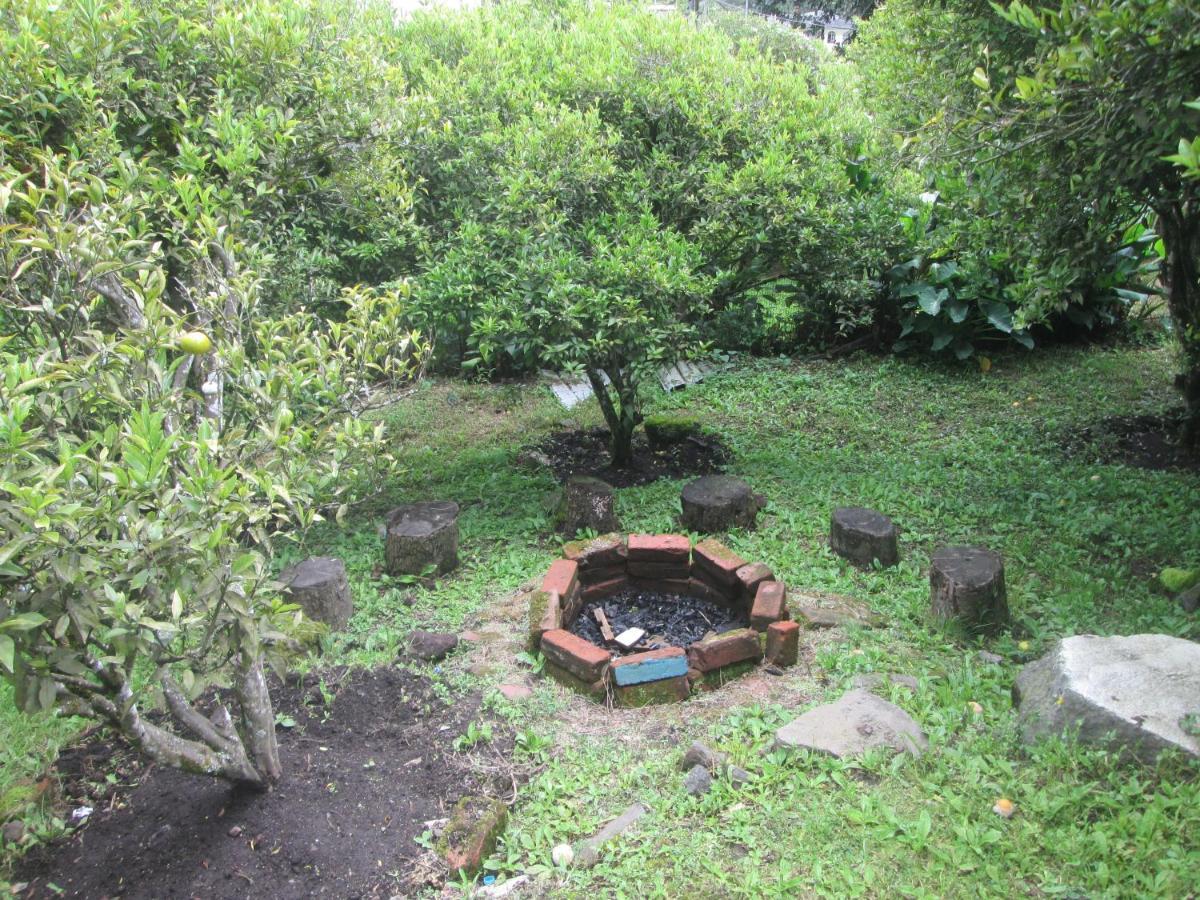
point(680, 571)
point(581, 658)
point(653, 665)
point(716, 561)
point(770, 605)
point(597, 690)
point(545, 614)
point(474, 828)
point(659, 548)
point(783, 643)
point(662, 430)
point(598, 552)
point(723, 650)
point(666, 690)
point(563, 577)
point(750, 576)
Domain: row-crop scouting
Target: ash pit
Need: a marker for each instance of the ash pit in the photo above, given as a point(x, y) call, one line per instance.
point(669, 620)
point(676, 618)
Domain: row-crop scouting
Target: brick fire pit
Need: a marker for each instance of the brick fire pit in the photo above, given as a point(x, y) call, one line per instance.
point(666, 569)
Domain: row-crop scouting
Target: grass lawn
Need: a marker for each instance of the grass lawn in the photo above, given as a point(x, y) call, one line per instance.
point(953, 456)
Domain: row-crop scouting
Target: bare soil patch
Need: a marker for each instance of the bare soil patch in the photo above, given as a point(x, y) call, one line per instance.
point(586, 452)
point(362, 776)
point(1144, 442)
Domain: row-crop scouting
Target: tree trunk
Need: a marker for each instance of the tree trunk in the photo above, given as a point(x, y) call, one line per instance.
point(621, 416)
point(1179, 224)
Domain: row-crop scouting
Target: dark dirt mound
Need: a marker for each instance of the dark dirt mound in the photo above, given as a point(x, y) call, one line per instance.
point(1144, 442)
point(587, 453)
point(668, 619)
point(361, 777)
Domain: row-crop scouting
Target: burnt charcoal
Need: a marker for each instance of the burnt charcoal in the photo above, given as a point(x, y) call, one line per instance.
point(673, 619)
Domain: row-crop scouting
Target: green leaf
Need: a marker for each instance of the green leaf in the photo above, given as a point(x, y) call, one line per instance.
point(999, 315)
point(957, 310)
point(7, 652)
point(980, 79)
point(24, 622)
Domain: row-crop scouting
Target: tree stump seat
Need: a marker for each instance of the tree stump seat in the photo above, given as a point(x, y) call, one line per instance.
point(420, 536)
point(967, 588)
point(717, 503)
point(587, 503)
point(320, 587)
point(863, 536)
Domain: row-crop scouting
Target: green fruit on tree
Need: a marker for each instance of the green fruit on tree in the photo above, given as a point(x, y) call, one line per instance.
point(196, 342)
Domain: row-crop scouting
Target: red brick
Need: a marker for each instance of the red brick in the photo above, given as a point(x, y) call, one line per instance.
point(705, 590)
point(581, 658)
point(545, 614)
point(598, 574)
point(597, 689)
point(770, 605)
point(660, 585)
point(598, 552)
point(750, 576)
point(723, 650)
point(666, 690)
point(603, 589)
point(472, 833)
point(783, 643)
point(664, 570)
point(659, 547)
point(717, 561)
point(562, 576)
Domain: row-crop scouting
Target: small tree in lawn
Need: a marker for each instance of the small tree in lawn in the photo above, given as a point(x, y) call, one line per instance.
point(1112, 94)
point(614, 300)
point(142, 486)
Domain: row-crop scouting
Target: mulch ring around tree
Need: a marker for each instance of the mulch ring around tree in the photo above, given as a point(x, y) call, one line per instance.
point(587, 452)
point(362, 777)
point(1143, 442)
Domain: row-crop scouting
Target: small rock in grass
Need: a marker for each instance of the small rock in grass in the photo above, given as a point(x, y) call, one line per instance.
point(13, 832)
point(1190, 599)
point(562, 855)
point(992, 659)
point(738, 777)
point(235, 831)
point(700, 755)
point(503, 889)
point(431, 646)
point(697, 781)
point(589, 850)
point(515, 691)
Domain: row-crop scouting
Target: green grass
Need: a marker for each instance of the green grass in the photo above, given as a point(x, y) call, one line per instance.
point(952, 456)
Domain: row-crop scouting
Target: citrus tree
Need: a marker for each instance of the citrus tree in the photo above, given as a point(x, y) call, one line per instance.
point(145, 477)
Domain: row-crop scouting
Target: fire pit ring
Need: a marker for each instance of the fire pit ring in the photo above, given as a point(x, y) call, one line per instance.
point(742, 602)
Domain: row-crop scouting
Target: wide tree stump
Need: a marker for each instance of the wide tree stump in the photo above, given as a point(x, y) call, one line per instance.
point(420, 536)
point(863, 536)
point(320, 587)
point(717, 503)
point(587, 503)
point(967, 588)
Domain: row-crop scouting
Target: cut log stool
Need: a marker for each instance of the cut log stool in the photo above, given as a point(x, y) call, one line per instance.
point(967, 588)
point(862, 536)
point(587, 503)
point(320, 587)
point(421, 535)
point(717, 503)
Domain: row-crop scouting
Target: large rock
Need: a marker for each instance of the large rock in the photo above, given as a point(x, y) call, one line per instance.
point(1129, 694)
point(858, 722)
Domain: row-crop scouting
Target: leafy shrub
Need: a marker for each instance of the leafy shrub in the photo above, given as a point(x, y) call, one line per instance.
point(141, 487)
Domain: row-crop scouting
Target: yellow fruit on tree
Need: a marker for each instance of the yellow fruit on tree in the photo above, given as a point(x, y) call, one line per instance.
point(196, 342)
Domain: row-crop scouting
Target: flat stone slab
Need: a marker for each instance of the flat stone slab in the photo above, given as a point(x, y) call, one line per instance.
point(858, 722)
point(1137, 694)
